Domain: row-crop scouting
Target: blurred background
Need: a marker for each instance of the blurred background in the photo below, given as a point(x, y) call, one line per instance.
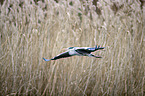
point(33, 29)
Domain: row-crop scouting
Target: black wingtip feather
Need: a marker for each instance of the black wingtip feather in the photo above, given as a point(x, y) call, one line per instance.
point(98, 47)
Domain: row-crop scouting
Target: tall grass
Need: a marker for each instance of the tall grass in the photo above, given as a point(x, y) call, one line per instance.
point(33, 30)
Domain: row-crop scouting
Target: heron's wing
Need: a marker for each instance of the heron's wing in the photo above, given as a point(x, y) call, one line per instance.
point(98, 48)
point(83, 51)
point(87, 53)
point(62, 55)
point(87, 50)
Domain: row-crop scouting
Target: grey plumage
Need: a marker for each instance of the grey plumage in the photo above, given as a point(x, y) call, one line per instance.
point(80, 51)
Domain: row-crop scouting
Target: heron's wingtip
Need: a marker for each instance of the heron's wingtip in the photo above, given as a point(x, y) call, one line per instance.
point(98, 47)
point(46, 59)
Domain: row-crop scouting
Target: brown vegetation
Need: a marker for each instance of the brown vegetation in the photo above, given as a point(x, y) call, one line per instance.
point(33, 30)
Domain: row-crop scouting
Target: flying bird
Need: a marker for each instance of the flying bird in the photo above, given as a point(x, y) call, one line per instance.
point(79, 51)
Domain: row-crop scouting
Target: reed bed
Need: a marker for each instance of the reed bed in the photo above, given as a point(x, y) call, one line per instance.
point(31, 30)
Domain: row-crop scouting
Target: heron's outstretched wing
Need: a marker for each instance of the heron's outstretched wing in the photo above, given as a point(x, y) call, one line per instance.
point(62, 55)
point(83, 51)
point(87, 50)
point(98, 48)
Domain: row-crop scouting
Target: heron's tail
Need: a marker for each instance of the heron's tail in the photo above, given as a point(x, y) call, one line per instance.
point(98, 47)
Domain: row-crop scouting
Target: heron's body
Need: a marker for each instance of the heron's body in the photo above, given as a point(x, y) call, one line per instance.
point(79, 51)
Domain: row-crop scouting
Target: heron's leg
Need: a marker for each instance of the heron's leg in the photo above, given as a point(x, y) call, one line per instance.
point(91, 55)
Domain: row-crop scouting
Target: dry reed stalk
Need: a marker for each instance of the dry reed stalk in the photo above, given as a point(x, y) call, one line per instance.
point(32, 30)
